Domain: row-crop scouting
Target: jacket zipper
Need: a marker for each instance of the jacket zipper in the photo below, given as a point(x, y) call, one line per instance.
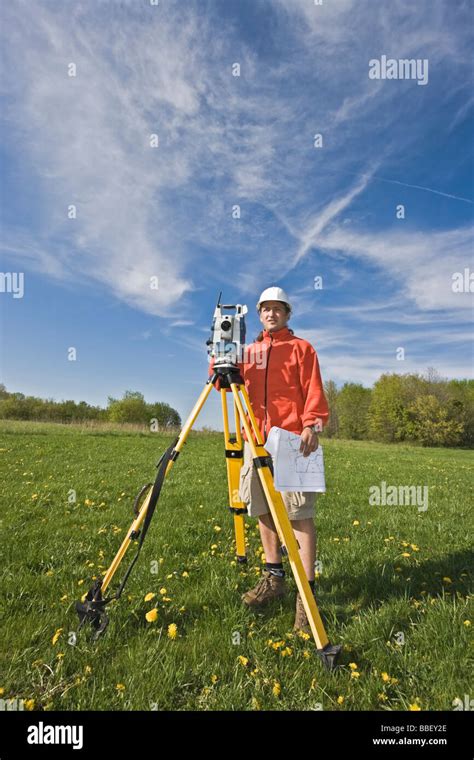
point(266, 373)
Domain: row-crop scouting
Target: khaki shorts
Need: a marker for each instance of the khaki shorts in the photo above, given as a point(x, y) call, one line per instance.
point(299, 504)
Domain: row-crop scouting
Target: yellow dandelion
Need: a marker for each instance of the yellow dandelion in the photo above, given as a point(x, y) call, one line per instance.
point(385, 677)
point(447, 579)
point(306, 654)
point(88, 670)
point(214, 678)
point(217, 528)
point(56, 636)
point(276, 691)
point(163, 591)
point(467, 623)
point(172, 631)
point(152, 615)
point(120, 688)
point(353, 665)
point(340, 700)
point(185, 574)
point(414, 707)
point(29, 704)
point(356, 522)
point(355, 674)
point(382, 697)
point(406, 554)
point(255, 704)
point(303, 635)
point(243, 660)
point(149, 596)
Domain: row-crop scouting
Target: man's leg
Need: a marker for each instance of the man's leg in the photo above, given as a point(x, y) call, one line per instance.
point(305, 533)
point(270, 540)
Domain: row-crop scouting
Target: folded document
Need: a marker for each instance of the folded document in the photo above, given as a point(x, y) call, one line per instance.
point(291, 470)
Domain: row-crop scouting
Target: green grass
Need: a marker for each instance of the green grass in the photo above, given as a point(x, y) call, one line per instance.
point(367, 592)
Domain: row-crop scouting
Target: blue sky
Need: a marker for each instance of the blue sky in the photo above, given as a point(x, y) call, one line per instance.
point(227, 140)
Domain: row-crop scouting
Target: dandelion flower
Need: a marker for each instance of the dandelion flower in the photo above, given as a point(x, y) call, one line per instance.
point(150, 596)
point(56, 636)
point(276, 691)
point(29, 704)
point(414, 706)
point(340, 700)
point(120, 688)
point(353, 665)
point(172, 631)
point(152, 615)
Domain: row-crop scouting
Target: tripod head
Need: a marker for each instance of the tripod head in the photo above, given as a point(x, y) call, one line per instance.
point(227, 339)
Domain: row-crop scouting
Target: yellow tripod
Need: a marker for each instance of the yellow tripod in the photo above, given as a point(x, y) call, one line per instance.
point(91, 608)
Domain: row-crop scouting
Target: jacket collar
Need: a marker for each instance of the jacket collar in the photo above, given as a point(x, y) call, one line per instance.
point(278, 335)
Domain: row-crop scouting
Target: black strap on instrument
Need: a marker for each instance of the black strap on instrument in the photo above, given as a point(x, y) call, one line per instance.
point(92, 609)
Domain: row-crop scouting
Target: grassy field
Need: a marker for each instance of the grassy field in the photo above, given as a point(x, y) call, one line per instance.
point(394, 587)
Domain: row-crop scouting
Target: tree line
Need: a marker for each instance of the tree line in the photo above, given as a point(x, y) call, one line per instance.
point(132, 408)
point(426, 410)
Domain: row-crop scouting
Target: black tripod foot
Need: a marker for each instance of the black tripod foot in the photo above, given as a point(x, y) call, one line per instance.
point(330, 655)
point(242, 560)
point(92, 611)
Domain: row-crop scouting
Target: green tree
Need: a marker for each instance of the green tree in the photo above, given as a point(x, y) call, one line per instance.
point(387, 411)
point(331, 393)
point(131, 408)
point(428, 423)
point(353, 403)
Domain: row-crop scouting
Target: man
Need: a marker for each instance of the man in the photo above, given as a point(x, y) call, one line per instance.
point(283, 381)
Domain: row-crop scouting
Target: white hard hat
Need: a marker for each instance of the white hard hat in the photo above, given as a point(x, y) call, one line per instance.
point(274, 294)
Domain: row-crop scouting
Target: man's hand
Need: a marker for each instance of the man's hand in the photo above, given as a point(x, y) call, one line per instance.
point(309, 442)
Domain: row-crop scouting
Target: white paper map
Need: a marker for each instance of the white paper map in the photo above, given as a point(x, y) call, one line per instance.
point(293, 471)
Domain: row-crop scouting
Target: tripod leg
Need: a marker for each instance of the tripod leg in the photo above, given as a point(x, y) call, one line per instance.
point(233, 453)
point(328, 653)
point(135, 527)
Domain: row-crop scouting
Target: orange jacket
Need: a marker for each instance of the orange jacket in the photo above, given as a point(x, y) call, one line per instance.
point(283, 381)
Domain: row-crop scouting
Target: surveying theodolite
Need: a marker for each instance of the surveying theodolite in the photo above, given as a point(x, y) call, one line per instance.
point(225, 346)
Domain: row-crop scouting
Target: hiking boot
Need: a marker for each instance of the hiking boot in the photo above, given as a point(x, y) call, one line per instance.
point(301, 619)
point(269, 587)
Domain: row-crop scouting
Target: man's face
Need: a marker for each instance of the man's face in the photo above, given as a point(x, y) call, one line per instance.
point(273, 315)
